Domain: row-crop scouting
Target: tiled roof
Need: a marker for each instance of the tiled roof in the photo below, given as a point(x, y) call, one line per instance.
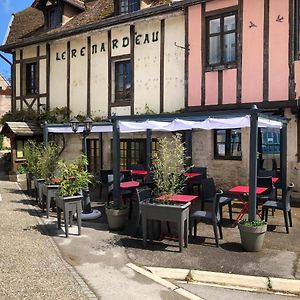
point(29, 23)
point(21, 129)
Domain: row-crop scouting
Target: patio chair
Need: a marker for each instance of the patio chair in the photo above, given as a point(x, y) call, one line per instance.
point(143, 193)
point(104, 185)
point(209, 194)
point(269, 194)
point(211, 216)
point(283, 205)
point(197, 181)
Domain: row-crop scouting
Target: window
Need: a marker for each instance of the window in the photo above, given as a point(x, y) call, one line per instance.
point(133, 152)
point(221, 40)
point(54, 17)
point(128, 6)
point(20, 148)
point(228, 144)
point(93, 155)
point(123, 80)
point(31, 78)
point(297, 30)
point(270, 141)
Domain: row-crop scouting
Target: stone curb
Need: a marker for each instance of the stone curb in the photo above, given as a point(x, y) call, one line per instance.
point(82, 284)
point(163, 282)
point(291, 286)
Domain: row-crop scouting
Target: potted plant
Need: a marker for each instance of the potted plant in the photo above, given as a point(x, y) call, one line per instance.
point(33, 152)
point(116, 216)
point(252, 234)
point(168, 175)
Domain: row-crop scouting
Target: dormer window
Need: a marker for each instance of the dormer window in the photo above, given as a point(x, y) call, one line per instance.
point(53, 15)
point(128, 6)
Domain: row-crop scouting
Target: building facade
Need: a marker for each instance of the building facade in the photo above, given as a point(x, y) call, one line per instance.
point(122, 57)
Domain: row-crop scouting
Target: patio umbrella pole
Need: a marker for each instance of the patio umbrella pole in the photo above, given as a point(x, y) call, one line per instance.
point(253, 163)
point(116, 161)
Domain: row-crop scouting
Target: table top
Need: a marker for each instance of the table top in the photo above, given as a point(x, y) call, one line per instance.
point(179, 198)
point(139, 172)
point(192, 174)
point(275, 179)
point(129, 184)
point(245, 189)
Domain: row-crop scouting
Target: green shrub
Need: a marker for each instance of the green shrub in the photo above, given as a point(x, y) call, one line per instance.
point(169, 166)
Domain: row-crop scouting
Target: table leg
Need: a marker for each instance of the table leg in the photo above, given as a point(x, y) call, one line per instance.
point(144, 227)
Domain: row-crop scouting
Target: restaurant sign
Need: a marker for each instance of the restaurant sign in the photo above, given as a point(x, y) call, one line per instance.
point(139, 39)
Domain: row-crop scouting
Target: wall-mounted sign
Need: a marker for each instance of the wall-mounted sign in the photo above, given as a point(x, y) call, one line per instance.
point(139, 39)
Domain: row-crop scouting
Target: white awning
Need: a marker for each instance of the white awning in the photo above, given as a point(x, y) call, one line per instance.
point(175, 125)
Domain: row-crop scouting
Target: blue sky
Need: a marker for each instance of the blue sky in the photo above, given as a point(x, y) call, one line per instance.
point(7, 7)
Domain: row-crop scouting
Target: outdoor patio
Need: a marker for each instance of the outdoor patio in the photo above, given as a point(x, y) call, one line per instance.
point(279, 258)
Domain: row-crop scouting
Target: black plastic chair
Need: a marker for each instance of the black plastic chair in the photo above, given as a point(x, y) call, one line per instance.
point(269, 194)
point(284, 205)
point(197, 181)
point(104, 185)
point(213, 216)
point(211, 191)
point(143, 193)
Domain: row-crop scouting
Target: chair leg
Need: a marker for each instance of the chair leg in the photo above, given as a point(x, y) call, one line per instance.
point(273, 210)
point(202, 204)
point(190, 228)
point(285, 214)
point(290, 218)
point(230, 211)
point(220, 230)
point(267, 212)
point(216, 234)
point(263, 213)
point(195, 228)
point(221, 212)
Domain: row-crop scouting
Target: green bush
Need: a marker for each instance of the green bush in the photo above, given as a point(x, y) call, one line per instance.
point(169, 166)
point(74, 176)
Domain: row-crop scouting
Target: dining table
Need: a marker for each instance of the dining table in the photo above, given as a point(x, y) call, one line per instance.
point(242, 192)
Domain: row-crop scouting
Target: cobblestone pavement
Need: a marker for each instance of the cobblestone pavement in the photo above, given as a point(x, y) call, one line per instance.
point(30, 264)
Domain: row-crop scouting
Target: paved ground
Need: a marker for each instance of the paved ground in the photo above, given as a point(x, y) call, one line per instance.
point(31, 268)
point(100, 256)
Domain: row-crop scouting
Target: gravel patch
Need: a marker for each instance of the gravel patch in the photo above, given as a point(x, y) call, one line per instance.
point(31, 267)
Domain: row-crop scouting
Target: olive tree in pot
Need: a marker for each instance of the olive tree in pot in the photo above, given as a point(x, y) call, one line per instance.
point(33, 153)
point(168, 175)
point(252, 234)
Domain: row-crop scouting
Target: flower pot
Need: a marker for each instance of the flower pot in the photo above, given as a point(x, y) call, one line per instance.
point(116, 218)
point(252, 237)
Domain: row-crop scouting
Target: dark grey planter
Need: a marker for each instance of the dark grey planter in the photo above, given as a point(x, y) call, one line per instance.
point(48, 192)
point(116, 218)
point(252, 238)
point(70, 206)
point(178, 213)
point(38, 189)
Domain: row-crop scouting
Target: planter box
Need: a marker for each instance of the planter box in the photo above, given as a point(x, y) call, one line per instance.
point(38, 189)
point(178, 213)
point(48, 192)
point(70, 206)
point(252, 238)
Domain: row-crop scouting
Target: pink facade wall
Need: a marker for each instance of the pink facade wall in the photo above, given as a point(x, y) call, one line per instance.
point(211, 88)
point(252, 58)
point(195, 62)
point(217, 4)
point(278, 50)
point(229, 86)
point(297, 78)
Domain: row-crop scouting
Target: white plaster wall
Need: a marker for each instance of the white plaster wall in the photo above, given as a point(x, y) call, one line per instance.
point(121, 110)
point(99, 76)
point(42, 79)
point(42, 49)
point(58, 76)
point(78, 77)
point(119, 33)
point(174, 64)
point(147, 69)
point(30, 52)
point(18, 78)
